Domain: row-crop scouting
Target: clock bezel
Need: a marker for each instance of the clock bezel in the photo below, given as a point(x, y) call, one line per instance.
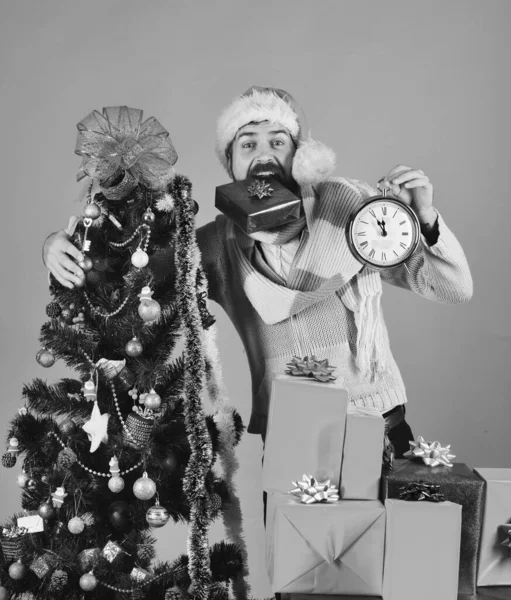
point(416, 232)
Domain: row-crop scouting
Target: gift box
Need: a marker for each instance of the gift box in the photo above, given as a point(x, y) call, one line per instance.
point(325, 548)
point(258, 203)
point(362, 457)
point(422, 550)
point(32, 523)
point(460, 485)
point(495, 554)
point(305, 432)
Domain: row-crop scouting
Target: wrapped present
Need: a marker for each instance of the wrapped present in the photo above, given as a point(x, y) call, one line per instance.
point(326, 548)
point(32, 523)
point(422, 550)
point(11, 541)
point(258, 203)
point(460, 485)
point(305, 432)
point(495, 553)
point(362, 458)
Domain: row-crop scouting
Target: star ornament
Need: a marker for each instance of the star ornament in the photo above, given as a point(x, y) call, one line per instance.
point(96, 428)
point(260, 188)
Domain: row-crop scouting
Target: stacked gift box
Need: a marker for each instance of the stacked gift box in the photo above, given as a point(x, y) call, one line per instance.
point(337, 524)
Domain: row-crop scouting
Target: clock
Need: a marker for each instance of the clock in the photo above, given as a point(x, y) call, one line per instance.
point(383, 232)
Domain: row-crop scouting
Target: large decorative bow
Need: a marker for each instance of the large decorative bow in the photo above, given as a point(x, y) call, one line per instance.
point(420, 490)
point(311, 367)
point(432, 454)
point(311, 491)
point(118, 145)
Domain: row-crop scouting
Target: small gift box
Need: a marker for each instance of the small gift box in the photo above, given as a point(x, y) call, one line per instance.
point(362, 458)
point(12, 542)
point(258, 203)
point(495, 553)
point(305, 432)
point(422, 550)
point(460, 485)
point(325, 548)
point(32, 523)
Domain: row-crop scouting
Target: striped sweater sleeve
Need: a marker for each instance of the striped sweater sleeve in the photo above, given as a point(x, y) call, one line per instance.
point(439, 272)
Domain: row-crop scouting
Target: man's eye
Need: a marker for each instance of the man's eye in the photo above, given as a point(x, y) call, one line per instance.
point(278, 143)
point(248, 145)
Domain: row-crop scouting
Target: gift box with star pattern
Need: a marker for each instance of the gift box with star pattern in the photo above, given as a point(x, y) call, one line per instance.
point(258, 203)
point(460, 485)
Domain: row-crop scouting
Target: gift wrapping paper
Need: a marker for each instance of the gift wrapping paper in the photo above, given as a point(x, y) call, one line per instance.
point(305, 432)
point(495, 558)
point(422, 550)
point(460, 485)
point(362, 457)
point(333, 548)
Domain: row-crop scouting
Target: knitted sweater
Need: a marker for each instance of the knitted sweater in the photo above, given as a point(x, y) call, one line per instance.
point(324, 326)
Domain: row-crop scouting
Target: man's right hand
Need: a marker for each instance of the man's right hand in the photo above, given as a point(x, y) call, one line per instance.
point(58, 255)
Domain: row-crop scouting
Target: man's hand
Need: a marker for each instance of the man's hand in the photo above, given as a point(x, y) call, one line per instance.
point(413, 187)
point(58, 255)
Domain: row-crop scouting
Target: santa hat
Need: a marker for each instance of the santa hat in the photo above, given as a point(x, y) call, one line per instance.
point(313, 161)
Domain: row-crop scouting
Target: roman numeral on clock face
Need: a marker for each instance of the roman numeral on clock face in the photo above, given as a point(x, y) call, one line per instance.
point(362, 233)
point(371, 254)
point(383, 256)
point(364, 244)
point(384, 210)
point(402, 245)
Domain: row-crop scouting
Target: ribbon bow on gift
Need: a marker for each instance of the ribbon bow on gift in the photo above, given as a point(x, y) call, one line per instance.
point(421, 490)
point(13, 532)
point(118, 144)
point(311, 491)
point(432, 454)
point(505, 532)
point(320, 370)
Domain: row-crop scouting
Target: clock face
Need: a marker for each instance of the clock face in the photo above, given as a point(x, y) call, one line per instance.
point(384, 232)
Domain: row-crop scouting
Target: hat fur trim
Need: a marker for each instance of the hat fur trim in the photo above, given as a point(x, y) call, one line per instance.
point(256, 107)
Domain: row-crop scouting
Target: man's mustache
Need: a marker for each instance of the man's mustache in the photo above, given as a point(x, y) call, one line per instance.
point(269, 168)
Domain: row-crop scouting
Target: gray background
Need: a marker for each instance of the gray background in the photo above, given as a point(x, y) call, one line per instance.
point(420, 83)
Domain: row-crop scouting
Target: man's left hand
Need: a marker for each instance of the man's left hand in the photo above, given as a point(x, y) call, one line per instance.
point(414, 188)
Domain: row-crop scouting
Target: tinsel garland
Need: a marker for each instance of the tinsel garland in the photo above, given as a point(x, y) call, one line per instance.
point(223, 416)
point(186, 262)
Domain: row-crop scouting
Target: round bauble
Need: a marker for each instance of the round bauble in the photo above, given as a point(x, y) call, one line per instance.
point(53, 310)
point(195, 207)
point(148, 217)
point(22, 479)
point(120, 514)
point(45, 358)
point(116, 484)
point(92, 211)
point(139, 258)
point(8, 460)
point(88, 582)
point(86, 264)
point(67, 427)
point(46, 511)
point(134, 348)
point(45, 479)
point(76, 525)
point(18, 570)
point(157, 516)
point(4, 593)
point(93, 277)
point(67, 315)
point(31, 485)
point(152, 400)
point(149, 310)
point(144, 488)
point(170, 463)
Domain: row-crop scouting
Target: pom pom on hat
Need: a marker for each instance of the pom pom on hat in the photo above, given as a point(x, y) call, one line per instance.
point(313, 162)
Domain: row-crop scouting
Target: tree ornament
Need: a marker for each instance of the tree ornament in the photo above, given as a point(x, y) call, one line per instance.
point(116, 484)
point(144, 488)
point(58, 580)
point(66, 459)
point(4, 593)
point(112, 551)
point(18, 570)
point(88, 582)
point(157, 515)
point(88, 518)
point(111, 368)
point(53, 310)
point(31, 485)
point(96, 428)
point(92, 211)
point(139, 430)
point(89, 391)
point(42, 565)
point(126, 379)
point(58, 497)
point(67, 315)
point(22, 479)
point(76, 525)
point(120, 515)
point(45, 358)
point(139, 575)
point(134, 348)
point(9, 458)
point(139, 258)
point(67, 427)
point(88, 558)
point(152, 401)
point(173, 593)
point(148, 309)
point(216, 503)
point(93, 277)
point(46, 511)
point(86, 264)
point(149, 217)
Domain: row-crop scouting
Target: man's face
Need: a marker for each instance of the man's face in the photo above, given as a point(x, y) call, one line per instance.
point(262, 149)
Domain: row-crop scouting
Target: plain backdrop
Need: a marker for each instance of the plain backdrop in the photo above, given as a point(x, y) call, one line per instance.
point(422, 83)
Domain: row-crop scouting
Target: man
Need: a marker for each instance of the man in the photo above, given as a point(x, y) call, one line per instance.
point(296, 290)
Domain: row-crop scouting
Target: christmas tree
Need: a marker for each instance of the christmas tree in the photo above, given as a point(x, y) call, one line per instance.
point(126, 446)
